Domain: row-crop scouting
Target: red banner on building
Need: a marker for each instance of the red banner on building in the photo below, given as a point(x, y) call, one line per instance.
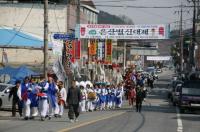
point(78, 49)
point(93, 47)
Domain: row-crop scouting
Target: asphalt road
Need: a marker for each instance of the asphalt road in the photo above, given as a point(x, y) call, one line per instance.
point(158, 115)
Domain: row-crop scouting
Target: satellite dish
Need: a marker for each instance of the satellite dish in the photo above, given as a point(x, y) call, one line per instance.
point(5, 78)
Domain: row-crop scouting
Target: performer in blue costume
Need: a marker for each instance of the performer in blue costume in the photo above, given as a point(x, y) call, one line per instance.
point(34, 99)
point(26, 89)
point(52, 98)
point(113, 96)
point(108, 97)
point(103, 97)
point(42, 96)
point(119, 95)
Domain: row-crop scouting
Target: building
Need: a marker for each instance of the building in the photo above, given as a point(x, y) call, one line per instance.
point(27, 17)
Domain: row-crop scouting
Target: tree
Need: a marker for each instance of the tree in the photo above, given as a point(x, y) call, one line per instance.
point(106, 18)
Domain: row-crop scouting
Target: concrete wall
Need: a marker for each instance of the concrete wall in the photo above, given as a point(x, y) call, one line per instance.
point(26, 56)
point(14, 15)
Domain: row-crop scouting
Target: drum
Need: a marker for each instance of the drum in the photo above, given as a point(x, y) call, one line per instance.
point(92, 95)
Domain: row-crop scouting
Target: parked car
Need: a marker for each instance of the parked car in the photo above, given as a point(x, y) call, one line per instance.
point(189, 96)
point(176, 94)
point(4, 93)
point(172, 89)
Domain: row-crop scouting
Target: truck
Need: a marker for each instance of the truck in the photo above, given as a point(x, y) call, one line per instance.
point(189, 96)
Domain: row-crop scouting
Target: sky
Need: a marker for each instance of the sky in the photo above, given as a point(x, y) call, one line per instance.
point(150, 16)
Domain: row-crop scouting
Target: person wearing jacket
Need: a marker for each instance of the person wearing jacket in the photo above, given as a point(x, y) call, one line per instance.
point(73, 100)
point(15, 100)
point(140, 95)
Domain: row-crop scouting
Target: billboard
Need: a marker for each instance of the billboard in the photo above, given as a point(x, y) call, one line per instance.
point(143, 51)
point(106, 31)
point(158, 58)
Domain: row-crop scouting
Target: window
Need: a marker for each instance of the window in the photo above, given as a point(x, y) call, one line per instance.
point(2, 87)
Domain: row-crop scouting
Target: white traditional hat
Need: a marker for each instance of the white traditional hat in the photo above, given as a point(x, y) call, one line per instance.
point(77, 84)
point(89, 83)
point(82, 83)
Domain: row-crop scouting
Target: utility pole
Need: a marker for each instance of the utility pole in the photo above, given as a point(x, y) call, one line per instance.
point(181, 11)
point(78, 12)
point(45, 38)
point(68, 15)
point(181, 37)
point(192, 46)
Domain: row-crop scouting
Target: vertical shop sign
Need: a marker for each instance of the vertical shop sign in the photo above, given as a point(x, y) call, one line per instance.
point(109, 51)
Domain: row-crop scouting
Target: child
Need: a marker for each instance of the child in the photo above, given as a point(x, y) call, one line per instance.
point(132, 96)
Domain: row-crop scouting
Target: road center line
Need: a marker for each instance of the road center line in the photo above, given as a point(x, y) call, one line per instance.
point(90, 122)
point(179, 121)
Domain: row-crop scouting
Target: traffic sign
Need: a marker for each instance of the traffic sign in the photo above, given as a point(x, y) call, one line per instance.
point(63, 36)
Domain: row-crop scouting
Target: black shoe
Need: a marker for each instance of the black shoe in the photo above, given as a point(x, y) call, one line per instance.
point(42, 119)
point(25, 118)
point(32, 118)
point(46, 116)
point(49, 118)
point(56, 115)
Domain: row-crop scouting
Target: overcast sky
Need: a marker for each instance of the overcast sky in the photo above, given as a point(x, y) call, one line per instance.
point(149, 16)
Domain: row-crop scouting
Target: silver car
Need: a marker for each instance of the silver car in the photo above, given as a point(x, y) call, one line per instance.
point(4, 93)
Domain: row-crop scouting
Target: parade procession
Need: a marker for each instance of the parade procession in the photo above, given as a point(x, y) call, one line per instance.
point(49, 98)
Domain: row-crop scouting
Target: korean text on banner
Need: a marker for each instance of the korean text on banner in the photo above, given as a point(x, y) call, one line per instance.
point(100, 49)
point(109, 51)
point(92, 48)
point(106, 31)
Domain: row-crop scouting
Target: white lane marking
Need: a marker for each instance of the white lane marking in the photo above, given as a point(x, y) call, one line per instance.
point(179, 121)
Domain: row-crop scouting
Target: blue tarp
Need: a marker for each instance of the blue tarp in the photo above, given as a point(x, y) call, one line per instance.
point(17, 73)
point(14, 38)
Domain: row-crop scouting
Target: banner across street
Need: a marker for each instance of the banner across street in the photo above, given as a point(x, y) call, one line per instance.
point(106, 31)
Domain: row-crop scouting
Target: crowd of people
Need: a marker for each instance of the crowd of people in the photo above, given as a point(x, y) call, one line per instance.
point(100, 96)
point(48, 98)
point(44, 98)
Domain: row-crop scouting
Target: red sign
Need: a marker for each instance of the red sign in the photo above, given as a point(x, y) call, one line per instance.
point(109, 51)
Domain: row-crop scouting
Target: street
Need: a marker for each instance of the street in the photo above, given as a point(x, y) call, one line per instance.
point(158, 115)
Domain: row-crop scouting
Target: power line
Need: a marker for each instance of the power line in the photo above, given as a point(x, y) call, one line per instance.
point(56, 18)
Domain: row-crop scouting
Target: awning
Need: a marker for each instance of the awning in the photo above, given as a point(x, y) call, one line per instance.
point(13, 38)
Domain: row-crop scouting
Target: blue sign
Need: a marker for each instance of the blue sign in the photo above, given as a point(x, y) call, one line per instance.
point(63, 36)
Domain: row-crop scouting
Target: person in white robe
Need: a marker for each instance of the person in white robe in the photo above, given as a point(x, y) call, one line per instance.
point(42, 96)
point(62, 96)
